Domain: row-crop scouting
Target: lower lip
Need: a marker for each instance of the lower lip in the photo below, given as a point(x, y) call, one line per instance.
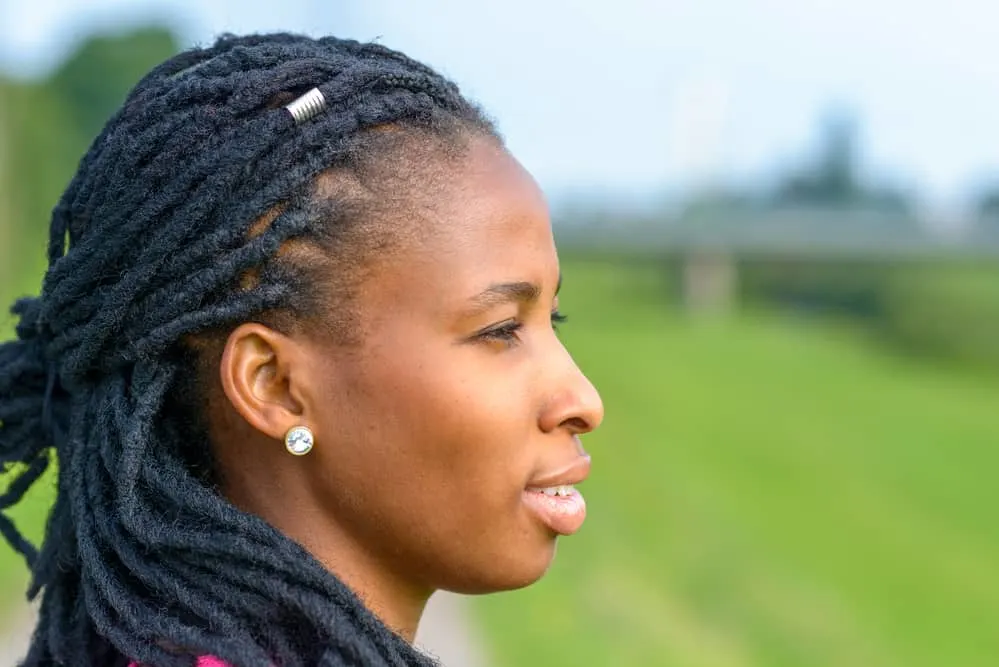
point(563, 514)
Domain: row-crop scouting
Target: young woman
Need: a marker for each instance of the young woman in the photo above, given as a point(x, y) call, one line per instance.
point(294, 354)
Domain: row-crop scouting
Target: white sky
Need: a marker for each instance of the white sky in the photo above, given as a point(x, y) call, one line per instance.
point(638, 96)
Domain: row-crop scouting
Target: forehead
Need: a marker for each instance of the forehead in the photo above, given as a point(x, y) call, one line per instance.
point(489, 195)
point(485, 221)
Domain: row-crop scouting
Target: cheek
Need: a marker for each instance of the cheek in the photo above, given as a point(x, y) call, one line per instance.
point(424, 428)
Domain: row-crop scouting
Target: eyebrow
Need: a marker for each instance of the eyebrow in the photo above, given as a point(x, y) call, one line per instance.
point(519, 292)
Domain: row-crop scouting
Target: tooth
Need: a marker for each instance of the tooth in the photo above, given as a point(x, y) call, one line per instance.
point(549, 491)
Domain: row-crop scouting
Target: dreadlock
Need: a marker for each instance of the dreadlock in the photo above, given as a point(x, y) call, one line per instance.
point(157, 240)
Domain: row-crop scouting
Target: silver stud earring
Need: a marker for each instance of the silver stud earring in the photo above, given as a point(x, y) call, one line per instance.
point(299, 440)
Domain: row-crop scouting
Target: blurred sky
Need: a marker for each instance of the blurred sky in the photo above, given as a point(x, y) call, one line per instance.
point(645, 97)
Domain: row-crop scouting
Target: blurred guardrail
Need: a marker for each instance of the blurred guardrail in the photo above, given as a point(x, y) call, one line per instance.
point(819, 233)
point(708, 251)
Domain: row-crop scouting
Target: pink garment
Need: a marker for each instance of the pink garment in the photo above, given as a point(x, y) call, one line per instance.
point(204, 661)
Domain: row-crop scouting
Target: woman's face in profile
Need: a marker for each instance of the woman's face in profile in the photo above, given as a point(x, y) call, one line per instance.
point(460, 396)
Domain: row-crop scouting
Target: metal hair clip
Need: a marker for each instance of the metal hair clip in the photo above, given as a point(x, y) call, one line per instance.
point(307, 107)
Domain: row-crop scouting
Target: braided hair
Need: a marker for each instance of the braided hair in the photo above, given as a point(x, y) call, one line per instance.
point(176, 224)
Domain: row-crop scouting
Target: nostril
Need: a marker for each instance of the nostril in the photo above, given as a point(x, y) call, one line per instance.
point(577, 425)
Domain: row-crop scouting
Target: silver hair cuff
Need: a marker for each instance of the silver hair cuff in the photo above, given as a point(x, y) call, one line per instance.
point(307, 107)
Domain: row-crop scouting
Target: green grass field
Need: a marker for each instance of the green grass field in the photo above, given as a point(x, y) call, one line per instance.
point(29, 516)
point(765, 493)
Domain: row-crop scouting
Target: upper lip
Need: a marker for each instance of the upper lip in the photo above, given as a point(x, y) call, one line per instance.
point(574, 473)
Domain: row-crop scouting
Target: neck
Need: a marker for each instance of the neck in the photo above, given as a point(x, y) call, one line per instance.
point(393, 599)
point(395, 602)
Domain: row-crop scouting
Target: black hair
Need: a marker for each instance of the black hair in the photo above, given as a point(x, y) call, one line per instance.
point(158, 239)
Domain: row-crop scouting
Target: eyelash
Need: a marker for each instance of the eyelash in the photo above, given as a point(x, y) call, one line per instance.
point(507, 333)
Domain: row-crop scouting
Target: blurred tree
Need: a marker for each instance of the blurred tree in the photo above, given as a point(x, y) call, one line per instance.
point(6, 217)
point(47, 125)
point(95, 79)
point(986, 220)
point(833, 178)
point(988, 204)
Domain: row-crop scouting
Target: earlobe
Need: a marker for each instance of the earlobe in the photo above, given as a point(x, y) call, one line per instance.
point(258, 372)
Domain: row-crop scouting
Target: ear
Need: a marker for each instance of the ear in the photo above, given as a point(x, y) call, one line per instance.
point(262, 376)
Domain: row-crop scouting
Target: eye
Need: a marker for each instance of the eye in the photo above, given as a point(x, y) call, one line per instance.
point(505, 332)
point(508, 332)
point(557, 319)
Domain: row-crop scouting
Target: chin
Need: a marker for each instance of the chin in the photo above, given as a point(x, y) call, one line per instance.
point(510, 571)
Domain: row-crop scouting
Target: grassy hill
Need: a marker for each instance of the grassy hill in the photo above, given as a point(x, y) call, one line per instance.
point(765, 493)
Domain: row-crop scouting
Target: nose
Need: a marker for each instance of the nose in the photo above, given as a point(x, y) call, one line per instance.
point(574, 405)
